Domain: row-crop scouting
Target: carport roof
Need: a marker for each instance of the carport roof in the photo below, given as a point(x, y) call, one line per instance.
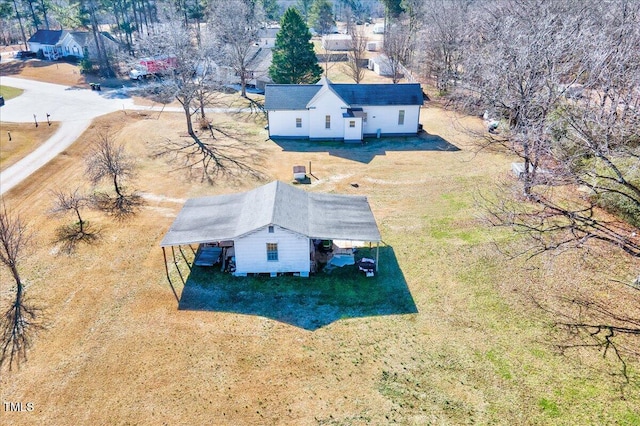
point(314, 215)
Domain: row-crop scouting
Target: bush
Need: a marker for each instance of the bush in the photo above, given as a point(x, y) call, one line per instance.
point(86, 66)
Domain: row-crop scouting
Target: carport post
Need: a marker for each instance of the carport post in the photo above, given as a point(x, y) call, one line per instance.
point(377, 254)
point(166, 268)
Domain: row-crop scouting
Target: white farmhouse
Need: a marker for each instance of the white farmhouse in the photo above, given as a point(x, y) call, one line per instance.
point(271, 229)
point(349, 112)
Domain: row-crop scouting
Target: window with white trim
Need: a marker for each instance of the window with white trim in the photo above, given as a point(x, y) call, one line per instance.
point(272, 252)
point(298, 122)
point(327, 122)
point(401, 117)
point(352, 123)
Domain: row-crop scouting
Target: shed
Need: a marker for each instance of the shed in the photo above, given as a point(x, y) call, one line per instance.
point(336, 42)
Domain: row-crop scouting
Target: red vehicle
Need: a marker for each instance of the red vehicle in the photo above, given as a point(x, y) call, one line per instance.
point(148, 67)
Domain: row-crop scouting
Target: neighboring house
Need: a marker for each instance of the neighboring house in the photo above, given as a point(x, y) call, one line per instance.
point(258, 68)
point(47, 41)
point(56, 44)
point(274, 229)
point(338, 42)
point(268, 36)
point(346, 112)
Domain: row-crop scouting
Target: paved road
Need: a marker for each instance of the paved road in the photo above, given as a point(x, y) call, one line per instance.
point(74, 108)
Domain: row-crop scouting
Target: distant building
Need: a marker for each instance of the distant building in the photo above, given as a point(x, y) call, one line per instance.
point(336, 42)
point(56, 44)
point(346, 112)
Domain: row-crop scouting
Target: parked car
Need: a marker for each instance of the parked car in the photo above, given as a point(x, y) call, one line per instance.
point(25, 54)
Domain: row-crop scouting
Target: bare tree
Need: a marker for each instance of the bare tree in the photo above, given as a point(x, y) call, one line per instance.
point(440, 56)
point(356, 54)
point(235, 25)
point(108, 161)
point(195, 82)
point(396, 48)
point(21, 320)
point(567, 94)
point(81, 231)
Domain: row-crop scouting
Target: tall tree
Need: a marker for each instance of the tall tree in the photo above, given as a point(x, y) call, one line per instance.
point(356, 54)
point(304, 6)
point(396, 48)
point(235, 25)
point(564, 79)
point(294, 58)
point(194, 82)
point(393, 8)
point(271, 9)
point(19, 18)
point(321, 17)
point(440, 58)
point(18, 323)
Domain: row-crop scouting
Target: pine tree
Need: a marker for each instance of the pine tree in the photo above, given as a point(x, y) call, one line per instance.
point(321, 17)
point(294, 60)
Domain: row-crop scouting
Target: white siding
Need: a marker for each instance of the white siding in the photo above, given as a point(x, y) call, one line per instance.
point(385, 118)
point(327, 104)
point(251, 252)
point(283, 123)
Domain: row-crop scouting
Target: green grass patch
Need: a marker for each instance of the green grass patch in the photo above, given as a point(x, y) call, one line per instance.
point(550, 408)
point(309, 303)
point(10, 92)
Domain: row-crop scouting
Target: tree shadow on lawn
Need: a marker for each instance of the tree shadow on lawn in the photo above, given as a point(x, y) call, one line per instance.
point(309, 303)
point(371, 147)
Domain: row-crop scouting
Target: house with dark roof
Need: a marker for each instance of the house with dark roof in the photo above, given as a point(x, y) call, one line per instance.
point(349, 112)
point(271, 229)
point(56, 44)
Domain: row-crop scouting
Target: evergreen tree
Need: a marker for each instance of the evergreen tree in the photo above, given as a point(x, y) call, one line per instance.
point(321, 16)
point(294, 60)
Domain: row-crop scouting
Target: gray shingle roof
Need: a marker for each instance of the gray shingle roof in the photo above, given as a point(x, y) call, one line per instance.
point(48, 37)
point(289, 96)
point(296, 96)
point(315, 215)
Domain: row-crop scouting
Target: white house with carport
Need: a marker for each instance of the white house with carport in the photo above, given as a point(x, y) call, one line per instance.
point(349, 112)
point(271, 229)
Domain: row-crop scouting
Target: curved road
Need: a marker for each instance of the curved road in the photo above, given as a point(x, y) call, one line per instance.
point(74, 108)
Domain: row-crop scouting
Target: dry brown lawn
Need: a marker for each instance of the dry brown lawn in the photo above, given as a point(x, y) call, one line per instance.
point(49, 72)
point(25, 137)
point(118, 351)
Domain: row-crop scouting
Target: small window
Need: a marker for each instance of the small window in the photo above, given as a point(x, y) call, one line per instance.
point(352, 123)
point(401, 117)
point(271, 229)
point(272, 252)
point(364, 117)
point(327, 122)
point(298, 122)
